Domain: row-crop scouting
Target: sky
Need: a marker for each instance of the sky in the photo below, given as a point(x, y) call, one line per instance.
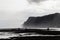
point(13, 13)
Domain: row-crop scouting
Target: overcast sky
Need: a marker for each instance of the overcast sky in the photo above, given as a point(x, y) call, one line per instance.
point(13, 13)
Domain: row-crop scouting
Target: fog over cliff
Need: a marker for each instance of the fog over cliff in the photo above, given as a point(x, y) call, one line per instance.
point(13, 13)
point(51, 20)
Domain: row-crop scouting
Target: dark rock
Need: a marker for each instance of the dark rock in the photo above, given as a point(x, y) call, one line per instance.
point(51, 20)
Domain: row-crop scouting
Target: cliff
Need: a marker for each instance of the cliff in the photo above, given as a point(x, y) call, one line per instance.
point(51, 20)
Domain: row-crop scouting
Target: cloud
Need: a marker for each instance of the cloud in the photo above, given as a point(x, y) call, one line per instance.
point(35, 1)
point(47, 7)
point(14, 17)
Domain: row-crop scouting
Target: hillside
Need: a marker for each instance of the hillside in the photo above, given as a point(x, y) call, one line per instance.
point(51, 20)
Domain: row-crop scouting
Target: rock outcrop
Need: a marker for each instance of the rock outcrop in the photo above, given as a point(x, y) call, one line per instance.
point(51, 20)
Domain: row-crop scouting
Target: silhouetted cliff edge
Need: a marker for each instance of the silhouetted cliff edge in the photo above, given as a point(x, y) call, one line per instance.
point(51, 20)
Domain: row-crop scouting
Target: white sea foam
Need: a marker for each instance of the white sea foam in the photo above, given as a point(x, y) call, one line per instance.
point(4, 35)
point(8, 35)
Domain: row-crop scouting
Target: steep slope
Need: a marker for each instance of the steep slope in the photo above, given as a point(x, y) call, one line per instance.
point(52, 20)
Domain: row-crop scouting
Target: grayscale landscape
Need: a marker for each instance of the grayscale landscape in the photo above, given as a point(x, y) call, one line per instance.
point(30, 19)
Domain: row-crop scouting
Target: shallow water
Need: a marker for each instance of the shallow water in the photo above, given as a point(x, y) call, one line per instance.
point(8, 35)
point(4, 35)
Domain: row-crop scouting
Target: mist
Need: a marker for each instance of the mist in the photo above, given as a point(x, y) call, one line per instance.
point(13, 13)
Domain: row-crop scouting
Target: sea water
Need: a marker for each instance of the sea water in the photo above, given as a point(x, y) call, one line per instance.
point(7, 35)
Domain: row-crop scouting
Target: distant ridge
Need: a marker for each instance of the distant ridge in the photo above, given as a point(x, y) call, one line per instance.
point(51, 20)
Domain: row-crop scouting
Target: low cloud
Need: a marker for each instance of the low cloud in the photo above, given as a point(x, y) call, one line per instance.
point(35, 1)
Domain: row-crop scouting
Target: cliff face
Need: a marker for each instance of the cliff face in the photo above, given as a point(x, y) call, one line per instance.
point(52, 20)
